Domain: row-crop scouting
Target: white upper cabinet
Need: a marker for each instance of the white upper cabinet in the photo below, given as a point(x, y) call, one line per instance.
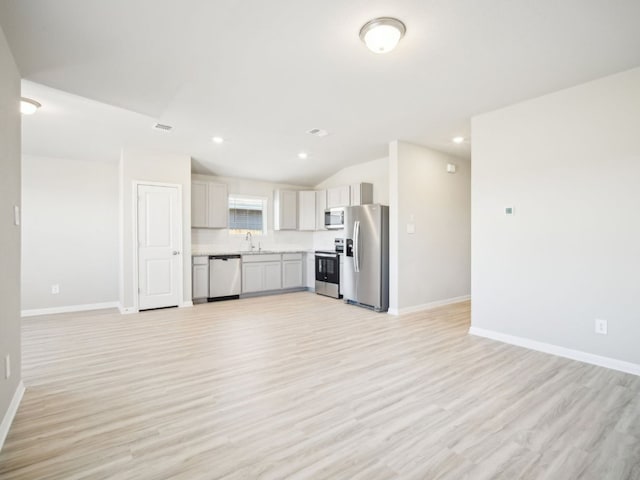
point(285, 210)
point(209, 205)
point(218, 205)
point(338, 197)
point(361, 194)
point(199, 217)
point(307, 210)
point(321, 205)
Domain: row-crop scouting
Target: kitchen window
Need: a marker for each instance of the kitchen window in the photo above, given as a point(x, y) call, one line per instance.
point(247, 214)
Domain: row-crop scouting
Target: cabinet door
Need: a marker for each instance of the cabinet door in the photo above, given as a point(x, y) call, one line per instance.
point(218, 204)
point(345, 197)
point(291, 273)
point(289, 210)
point(361, 194)
point(285, 210)
point(200, 281)
point(199, 204)
point(338, 197)
point(252, 277)
point(272, 275)
point(310, 271)
point(307, 210)
point(333, 197)
point(321, 205)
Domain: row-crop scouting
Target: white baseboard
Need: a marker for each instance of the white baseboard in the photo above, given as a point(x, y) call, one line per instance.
point(69, 308)
point(428, 306)
point(186, 304)
point(127, 310)
point(559, 351)
point(11, 413)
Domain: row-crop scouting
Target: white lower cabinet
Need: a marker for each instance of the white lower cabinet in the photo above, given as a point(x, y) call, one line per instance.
point(291, 270)
point(252, 277)
point(272, 276)
point(310, 271)
point(200, 278)
point(261, 273)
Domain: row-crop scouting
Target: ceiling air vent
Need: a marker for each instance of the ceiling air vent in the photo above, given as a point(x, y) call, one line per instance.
point(318, 132)
point(163, 128)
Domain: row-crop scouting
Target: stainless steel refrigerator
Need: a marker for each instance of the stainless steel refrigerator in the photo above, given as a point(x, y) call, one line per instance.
point(366, 265)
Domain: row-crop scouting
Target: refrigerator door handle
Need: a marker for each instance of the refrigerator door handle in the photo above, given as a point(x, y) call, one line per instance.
point(356, 245)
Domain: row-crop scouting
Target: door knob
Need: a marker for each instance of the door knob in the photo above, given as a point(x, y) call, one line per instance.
point(175, 252)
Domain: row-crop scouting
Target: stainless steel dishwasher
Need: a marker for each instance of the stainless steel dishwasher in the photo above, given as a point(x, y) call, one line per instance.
point(225, 277)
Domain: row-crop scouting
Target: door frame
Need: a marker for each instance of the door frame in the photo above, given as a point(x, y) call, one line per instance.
point(136, 265)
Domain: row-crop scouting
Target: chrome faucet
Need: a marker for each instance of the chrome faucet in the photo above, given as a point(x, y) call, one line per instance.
point(249, 237)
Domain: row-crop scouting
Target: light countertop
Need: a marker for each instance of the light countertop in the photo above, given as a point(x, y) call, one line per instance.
point(204, 253)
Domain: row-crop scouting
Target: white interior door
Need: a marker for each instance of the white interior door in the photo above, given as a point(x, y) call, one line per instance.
point(159, 240)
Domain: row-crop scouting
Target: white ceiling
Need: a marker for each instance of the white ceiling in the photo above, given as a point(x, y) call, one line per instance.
point(262, 73)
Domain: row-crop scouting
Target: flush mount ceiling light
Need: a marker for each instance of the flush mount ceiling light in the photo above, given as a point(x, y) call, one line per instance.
point(381, 35)
point(303, 155)
point(28, 106)
point(161, 127)
point(218, 140)
point(457, 140)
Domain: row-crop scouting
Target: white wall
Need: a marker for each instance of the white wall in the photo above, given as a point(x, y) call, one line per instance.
point(569, 163)
point(375, 172)
point(9, 232)
point(219, 239)
point(69, 232)
point(431, 265)
point(149, 166)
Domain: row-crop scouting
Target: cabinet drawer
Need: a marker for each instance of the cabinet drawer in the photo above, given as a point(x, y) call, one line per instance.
point(267, 257)
point(291, 256)
point(200, 260)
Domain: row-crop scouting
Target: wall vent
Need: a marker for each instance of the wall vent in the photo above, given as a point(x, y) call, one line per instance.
point(162, 127)
point(318, 132)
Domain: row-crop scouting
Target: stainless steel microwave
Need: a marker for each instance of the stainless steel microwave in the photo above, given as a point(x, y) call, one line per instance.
point(334, 218)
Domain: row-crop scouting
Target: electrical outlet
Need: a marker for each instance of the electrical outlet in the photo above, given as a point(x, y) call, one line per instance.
point(7, 366)
point(601, 326)
point(55, 289)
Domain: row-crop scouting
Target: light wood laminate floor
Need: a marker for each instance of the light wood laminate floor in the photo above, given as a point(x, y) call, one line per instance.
point(305, 387)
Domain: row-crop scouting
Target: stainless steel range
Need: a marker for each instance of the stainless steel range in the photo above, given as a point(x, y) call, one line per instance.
point(328, 273)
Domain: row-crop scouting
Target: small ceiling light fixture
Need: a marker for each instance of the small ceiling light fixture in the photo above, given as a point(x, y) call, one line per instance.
point(218, 140)
point(303, 155)
point(458, 140)
point(381, 35)
point(161, 127)
point(28, 106)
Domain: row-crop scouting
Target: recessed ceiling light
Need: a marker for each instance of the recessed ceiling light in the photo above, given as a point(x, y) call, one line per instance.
point(318, 132)
point(217, 140)
point(28, 106)
point(457, 139)
point(303, 155)
point(381, 35)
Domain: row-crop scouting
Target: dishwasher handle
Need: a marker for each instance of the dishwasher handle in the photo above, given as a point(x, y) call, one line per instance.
point(223, 257)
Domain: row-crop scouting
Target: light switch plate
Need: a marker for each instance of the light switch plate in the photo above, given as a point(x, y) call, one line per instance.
point(16, 215)
point(411, 228)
